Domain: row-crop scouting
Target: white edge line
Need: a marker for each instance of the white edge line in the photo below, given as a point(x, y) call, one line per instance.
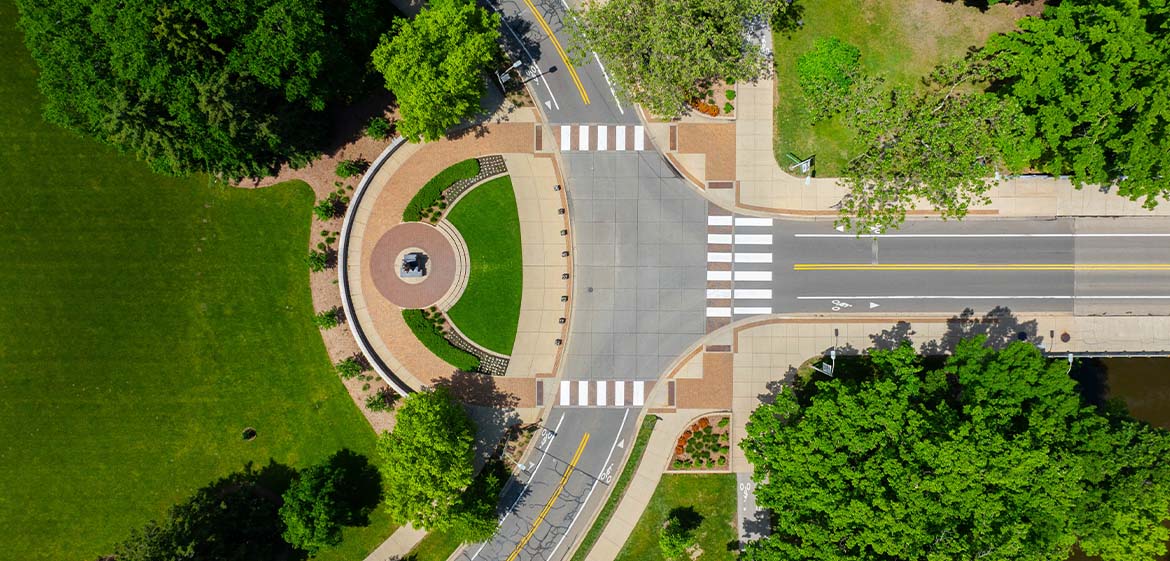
point(530, 57)
point(1049, 297)
point(591, 489)
point(525, 489)
point(605, 75)
point(1077, 235)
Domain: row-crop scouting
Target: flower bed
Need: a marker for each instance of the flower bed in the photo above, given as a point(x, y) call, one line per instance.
point(705, 445)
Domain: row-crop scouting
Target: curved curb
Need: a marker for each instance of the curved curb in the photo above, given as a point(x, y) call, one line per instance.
point(462, 265)
point(343, 271)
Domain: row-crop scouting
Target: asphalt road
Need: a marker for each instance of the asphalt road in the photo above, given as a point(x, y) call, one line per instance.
point(641, 260)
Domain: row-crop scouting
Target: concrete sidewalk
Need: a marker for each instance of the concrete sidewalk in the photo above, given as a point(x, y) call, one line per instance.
point(398, 544)
point(760, 186)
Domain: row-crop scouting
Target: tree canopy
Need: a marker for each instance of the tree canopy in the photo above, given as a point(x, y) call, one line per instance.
point(230, 88)
point(989, 456)
point(1095, 76)
point(426, 461)
point(664, 53)
point(435, 64)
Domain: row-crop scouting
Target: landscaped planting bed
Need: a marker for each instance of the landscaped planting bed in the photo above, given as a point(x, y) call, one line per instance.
point(428, 327)
point(428, 204)
point(704, 445)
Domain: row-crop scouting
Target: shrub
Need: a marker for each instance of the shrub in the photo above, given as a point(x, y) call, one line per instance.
point(327, 319)
point(705, 108)
point(722, 460)
point(724, 422)
point(330, 207)
point(317, 260)
point(728, 107)
point(350, 168)
point(429, 334)
point(730, 94)
point(382, 400)
point(350, 368)
point(826, 74)
point(677, 464)
point(704, 423)
point(430, 193)
point(379, 128)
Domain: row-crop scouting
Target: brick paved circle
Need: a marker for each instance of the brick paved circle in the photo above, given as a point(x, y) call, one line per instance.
point(440, 266)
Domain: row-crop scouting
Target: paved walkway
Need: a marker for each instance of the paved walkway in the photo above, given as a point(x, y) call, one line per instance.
point(397, 545)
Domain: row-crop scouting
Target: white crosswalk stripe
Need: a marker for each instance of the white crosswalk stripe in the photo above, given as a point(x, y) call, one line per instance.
point(578, 394)
point(739, 271)
point(578, 138)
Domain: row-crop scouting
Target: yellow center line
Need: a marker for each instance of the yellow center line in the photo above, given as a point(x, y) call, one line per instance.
point(552, 500)
point(557, 45)
point(981, 267)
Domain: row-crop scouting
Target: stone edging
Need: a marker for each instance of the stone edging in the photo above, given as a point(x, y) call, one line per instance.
point(462, 265)
point(343, 272)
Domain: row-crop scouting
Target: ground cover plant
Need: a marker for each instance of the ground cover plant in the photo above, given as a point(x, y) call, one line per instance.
point(709, 507)
point(899, 40)
point(488, 312)
point(147, 321)
point(429, 201)
point(426, 327)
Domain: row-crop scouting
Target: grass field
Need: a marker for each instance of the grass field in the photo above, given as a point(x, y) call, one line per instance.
point(902, 40)
point(146, 322)
point(489, 310)
point(712, 496)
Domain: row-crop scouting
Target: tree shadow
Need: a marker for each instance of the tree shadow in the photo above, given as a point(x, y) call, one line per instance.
point(1092, 378)
point(773, 388)
point(789, 17)
point(889, 339)
point(359, 489)
point(757, 526)
point(519, 43)
point(1000, 326)
point(492, 410)
point(687, 518)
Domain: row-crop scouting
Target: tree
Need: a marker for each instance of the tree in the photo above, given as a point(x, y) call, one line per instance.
point(234, 89)
point(662, 54)
point(826, 74)
point(434, 64)
point(311, 515)
point(1094, 76)
point(426, 461)
point(678, 533)
point(990, 456)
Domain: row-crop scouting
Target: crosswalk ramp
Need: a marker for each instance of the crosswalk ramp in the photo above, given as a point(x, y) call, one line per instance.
point(603, 393)
point(739, 266)
point(601, 138)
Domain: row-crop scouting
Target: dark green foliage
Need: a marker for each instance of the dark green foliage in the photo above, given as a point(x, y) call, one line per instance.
point(382, 400)
point(342, 491)
point(230, 88)
point(474, 519)
point(434, 64)
point(431, 336)
point(379, 128)
point(991, 455)
point(1095, 78)
point(426, 460)
point(318, 260)
point(327, 319)
point(351, 367)
point(428, 196)
point(351, 168)
point(678, 533)
point(826, 74)
point(331, 207)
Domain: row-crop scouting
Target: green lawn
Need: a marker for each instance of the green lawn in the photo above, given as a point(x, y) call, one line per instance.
point(712, 496)
point(489, 310)
point(146, 322)
point(902, 40)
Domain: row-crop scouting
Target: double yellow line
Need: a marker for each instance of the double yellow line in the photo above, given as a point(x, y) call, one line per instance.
point(557, 45)
point(552, 500)
point(981, 267)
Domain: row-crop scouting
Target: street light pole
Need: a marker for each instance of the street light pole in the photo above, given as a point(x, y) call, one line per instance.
point(504, 77)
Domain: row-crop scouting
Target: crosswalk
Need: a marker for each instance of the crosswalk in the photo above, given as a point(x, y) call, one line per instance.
point(739, 266)
point(603, 393)
point(602, 138)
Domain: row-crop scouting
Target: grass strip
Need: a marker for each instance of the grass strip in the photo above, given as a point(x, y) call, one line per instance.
point(619, 488)
point(429, 195)
point(707, 501)
point(429, 334)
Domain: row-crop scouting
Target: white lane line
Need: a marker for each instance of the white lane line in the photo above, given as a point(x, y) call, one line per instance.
point(602, 137)
point(750, 275)
point(620, 138)
point(601, 392)
point(751, 311)
point(606, 76)
point(1045, 297)
point(619, 393)
point(524, 490)
point(1066, 235)
point(718, 275)
point(753, 294)
point(719, 221)
point(753, 257)
point(718, 293)
point(718, 257)
point(639, 391)
point(752, 221)
point(583, 137)
point(719, 238)
point(718, 312)
point(595, 480)
point(753, 239)
point(583, 393)
point(539, 71)
point(639, 137)
point(566, 138)
point(564, 392)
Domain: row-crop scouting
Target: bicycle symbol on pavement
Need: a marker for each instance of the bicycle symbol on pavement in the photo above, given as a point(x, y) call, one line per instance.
point(839, 304)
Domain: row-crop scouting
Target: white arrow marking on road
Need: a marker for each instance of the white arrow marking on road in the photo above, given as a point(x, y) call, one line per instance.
point(548, 104)
point(839, 229)
point(873, 305)
point(622, 444)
